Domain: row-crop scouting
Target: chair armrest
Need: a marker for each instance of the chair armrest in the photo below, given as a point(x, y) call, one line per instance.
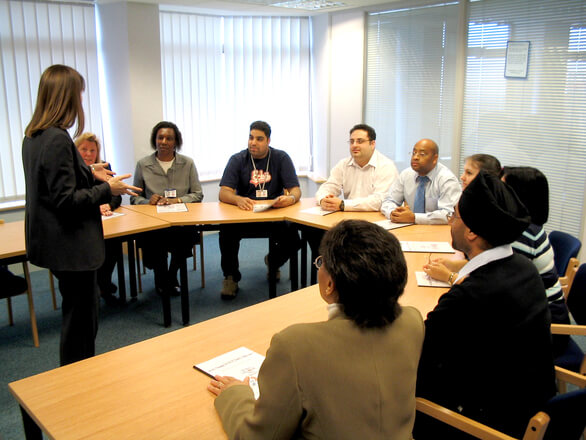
point(568, 329)
point(570, 376)
point(459, 421)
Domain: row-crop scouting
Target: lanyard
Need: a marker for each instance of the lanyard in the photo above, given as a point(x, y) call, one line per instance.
point(262, 185)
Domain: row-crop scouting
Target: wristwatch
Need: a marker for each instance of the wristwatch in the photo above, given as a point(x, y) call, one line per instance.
point(342, 205)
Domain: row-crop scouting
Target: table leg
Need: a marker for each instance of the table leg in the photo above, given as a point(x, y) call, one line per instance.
point(31, 430)
point(131, 268)
point(272, 271)
point(303, 258)
point(166, 307)
point(120, 266)
point(184, 291)
point(294, 272)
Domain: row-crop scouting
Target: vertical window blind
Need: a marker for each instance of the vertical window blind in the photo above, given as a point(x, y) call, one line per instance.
point(33, 36)
point(536, 121)
point(410, 78)
point(222, 73)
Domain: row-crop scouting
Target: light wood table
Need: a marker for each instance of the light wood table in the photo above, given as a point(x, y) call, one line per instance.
point(149, 390)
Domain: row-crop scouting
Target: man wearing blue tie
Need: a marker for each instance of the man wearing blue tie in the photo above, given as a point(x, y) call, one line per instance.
point(425, 193)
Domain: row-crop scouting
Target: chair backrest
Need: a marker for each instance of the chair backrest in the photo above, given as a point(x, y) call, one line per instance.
point(565, 246)
point(576, 300)
point(567, 414)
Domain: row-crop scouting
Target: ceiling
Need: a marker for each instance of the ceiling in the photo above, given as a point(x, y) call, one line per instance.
point(261, 7)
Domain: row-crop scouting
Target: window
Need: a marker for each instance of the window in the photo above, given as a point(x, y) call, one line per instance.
point(539, 121)
point(222, 73)
point(410, 78)
point(33, 36)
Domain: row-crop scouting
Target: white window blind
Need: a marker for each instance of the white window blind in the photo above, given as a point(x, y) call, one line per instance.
point(222, 73)
point(410, 78)
point(33, 36)
point(539, 121)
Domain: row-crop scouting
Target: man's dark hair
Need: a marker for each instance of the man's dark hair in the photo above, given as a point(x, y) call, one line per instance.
point(369, 271)
point(367, 128)
point(166, 124)
point(531, 187)
point(262, 126)
point(488, 163)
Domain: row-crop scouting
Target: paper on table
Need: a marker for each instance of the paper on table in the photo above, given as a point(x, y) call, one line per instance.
point(114, 214)
point(239, 363)
point(317, 210)
point(427, 246)
point(387, 224)
point(263, 206)
point(176, 207)
point(425, 280)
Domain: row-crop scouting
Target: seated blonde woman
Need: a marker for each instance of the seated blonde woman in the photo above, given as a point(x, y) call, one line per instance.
point(350, 377)
point(89, 147)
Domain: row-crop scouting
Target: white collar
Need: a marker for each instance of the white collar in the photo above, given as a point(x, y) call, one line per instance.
point(485, 257)
point(334, 310)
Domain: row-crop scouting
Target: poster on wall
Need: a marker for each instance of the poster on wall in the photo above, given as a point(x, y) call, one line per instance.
point(517, 60)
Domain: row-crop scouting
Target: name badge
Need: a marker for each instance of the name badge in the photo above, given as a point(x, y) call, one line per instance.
point(170, 193)
point(262, 193)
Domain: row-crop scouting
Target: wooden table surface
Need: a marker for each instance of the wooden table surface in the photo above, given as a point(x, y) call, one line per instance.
point(12, 242)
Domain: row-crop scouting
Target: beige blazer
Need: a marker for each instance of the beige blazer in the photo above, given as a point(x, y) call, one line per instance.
point(331, 380)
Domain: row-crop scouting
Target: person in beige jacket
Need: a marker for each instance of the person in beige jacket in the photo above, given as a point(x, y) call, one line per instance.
point(352, 376)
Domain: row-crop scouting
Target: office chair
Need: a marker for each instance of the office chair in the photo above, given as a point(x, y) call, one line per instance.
point(564, 247)
point(561, 418)
point(12, 285)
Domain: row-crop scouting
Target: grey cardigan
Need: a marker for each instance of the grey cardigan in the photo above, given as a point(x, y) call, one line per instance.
point(182, 176)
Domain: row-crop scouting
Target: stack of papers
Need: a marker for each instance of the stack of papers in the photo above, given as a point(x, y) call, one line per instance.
point(239, 363)
point(114, 214)
point(317, 210)
point(425, 280)
point(388, 225)
point(427, 246)
point(176, 207)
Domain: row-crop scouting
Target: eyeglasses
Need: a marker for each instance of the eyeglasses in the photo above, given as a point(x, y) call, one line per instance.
point(451, 216)
point(418, 153)
point(357, 141)
point(318, 262)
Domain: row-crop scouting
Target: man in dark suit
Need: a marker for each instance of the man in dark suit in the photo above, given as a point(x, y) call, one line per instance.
point(487, 349)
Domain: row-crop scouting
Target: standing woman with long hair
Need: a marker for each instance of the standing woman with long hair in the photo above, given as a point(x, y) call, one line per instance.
point(62, 214)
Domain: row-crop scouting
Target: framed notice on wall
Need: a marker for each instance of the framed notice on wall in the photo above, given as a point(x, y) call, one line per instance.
point(517, 60)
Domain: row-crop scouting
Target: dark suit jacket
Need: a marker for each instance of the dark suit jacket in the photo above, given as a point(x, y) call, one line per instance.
point(331, 380)
point(487, 352)
point(62, 214)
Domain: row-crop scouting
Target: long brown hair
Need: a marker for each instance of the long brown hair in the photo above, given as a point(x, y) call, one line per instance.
point(58, 101)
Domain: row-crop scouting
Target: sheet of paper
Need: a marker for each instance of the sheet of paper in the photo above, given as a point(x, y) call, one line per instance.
point(239, 363)
point(176, 207)
point(427, 246)
point(425, 280)
point(387, 224)
point(263, 206)
point(114, 215)
point(317, 211)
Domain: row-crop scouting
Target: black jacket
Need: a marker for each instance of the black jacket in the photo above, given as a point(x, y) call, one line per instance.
point(62, 217)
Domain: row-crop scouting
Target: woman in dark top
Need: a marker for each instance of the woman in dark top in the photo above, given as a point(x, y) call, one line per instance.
point(62, 214)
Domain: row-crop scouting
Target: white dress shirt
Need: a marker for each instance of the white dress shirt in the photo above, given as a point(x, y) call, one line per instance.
point(364, 187)
point(485, 257)
point(442, 192)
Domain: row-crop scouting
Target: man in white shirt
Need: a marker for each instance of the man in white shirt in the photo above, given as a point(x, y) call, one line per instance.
point(425, 193)
point(358, 183)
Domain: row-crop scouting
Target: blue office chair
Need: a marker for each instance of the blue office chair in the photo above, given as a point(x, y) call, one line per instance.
point(564, 247)
point(561, 418)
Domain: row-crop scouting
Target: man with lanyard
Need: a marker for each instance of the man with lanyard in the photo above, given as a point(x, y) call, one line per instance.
point(259, 173)
point(487, 351)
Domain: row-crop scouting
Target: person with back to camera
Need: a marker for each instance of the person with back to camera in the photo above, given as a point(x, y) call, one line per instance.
point(63, 225)
point(350, 377)
point(89, 147)
point(167, 178)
